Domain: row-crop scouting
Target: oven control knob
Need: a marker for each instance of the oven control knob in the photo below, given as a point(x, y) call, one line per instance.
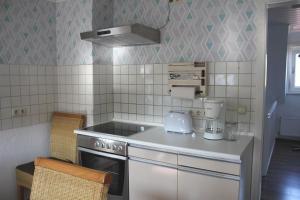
point(120, 148)
point(114, 147)
point(97, 144)
point(108, 146)
point(102, 145)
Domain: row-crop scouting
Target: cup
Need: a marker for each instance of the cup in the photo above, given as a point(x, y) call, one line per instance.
point(231, 131)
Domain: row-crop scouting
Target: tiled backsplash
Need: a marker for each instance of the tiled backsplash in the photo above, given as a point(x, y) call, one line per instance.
point(30, 87)
point(86, 89)
point(141, 92)
point(128, 92)
point(40, 90)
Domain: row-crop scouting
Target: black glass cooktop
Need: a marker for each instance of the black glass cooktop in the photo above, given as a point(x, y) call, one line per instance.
point(118, 128)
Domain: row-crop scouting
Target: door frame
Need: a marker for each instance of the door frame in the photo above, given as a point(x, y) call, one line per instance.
point(260, 68)
point(260, 93)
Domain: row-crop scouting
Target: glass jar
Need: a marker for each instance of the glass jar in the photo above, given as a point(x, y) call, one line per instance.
point(231, 131)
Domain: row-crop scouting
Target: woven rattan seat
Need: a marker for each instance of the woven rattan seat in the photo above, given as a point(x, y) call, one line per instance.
point(56, 180)
point(62, 147)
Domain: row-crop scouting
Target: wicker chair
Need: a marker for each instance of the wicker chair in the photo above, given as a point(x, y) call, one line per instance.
point(62, 146)
point(56, 180)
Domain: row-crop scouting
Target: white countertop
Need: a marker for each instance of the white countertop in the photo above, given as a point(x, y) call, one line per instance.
point(157, 138)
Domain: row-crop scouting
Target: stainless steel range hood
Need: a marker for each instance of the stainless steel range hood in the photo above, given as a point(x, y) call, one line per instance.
point(131, 35)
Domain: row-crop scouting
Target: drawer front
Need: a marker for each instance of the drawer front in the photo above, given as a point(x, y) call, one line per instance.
point(193, 186)
point(151, 182)
point(158, 156)
point(211, 165)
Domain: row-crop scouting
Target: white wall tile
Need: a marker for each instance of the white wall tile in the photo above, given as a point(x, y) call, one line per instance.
point(232, 79)
point(124, 69)
point(245, 92)
point(232, 92)
point(158, 69)
point(220, 67)
point(158, 100)
point(245, 67)
point(220, 79)
point(211, 68)
point(220, 91)
point(232, 67)
point(245, 79)
point(149, 69)
point(132, 69)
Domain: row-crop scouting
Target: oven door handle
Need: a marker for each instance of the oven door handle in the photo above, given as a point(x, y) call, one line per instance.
point(102, 154)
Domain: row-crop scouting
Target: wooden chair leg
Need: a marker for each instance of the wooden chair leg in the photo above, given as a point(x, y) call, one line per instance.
point(20, 192)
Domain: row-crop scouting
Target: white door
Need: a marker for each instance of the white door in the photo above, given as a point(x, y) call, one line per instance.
point(196, 186)
point(149, 181)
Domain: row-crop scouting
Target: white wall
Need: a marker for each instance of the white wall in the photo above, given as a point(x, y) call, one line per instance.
point(294, 38)
point(290, 116)
point(290, 110)
point(277, 50)
point(18, 146)
point(276, 72)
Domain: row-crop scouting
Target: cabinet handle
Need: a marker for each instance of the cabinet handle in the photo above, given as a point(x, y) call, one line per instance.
point(151, 162)
point(209, 173)
point(81, 149)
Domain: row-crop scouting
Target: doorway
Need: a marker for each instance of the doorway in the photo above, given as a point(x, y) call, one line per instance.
point(281, 155)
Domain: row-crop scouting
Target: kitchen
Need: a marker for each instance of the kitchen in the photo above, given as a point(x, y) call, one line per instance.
point(46, 67)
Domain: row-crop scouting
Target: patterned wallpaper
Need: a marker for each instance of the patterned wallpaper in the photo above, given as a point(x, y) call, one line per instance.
point(33, 31)
point(218, 30)
point(74, 17)
point(27, 32)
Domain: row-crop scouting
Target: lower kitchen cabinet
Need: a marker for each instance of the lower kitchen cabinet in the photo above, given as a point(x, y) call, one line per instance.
point(207, 186)
point(159, 175)
point(148, 181)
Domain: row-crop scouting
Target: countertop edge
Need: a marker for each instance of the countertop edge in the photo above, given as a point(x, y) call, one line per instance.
point(179, 150)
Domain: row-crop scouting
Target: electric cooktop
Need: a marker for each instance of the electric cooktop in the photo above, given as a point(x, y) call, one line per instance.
point(118, 128)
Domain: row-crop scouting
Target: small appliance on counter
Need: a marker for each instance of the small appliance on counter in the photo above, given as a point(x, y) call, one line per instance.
point(214, 119)
point(178, 122)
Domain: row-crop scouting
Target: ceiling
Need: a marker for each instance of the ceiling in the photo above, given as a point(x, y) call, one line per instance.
point(287, 13)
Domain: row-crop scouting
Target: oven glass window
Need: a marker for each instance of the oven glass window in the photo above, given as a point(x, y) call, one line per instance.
point(113, 166)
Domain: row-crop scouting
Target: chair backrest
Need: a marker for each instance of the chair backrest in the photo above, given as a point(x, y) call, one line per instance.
point(56, 180)
point(63, 139)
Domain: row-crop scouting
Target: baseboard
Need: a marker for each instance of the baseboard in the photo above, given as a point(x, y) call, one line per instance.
point(288, 137)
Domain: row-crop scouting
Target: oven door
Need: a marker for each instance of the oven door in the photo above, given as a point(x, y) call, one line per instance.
point(116, 165)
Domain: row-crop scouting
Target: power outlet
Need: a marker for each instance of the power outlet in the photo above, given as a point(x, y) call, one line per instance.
point(15, 112)
point(19, 112)
point(24, 111)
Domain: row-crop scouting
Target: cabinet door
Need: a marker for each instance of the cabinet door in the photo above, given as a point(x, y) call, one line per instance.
point(150, 181)
point(196, 186)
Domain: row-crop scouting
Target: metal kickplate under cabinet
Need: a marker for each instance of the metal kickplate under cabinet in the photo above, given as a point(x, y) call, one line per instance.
point(189, 75)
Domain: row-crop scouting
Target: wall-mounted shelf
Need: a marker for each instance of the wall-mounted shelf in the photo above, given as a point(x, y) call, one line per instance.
point(189, 75)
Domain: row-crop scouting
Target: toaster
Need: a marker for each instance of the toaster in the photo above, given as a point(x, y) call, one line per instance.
point(178, 122)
